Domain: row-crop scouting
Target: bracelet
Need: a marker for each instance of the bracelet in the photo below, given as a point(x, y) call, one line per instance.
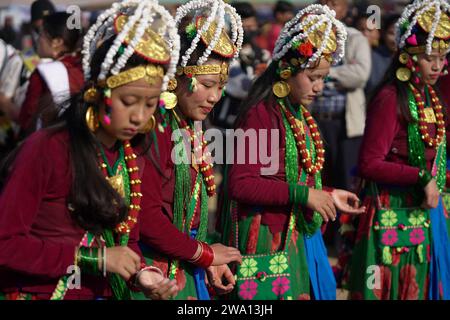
point(196, 258)
point(104, 261)
point(206, 257)
point(87, 259)
point(298, 194)
point(424, 178)
point(149, 268)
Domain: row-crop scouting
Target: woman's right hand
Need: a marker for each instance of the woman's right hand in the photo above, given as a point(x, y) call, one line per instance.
point(431, 195)
point(225, 255)
point(121, 260)
point(322, 202)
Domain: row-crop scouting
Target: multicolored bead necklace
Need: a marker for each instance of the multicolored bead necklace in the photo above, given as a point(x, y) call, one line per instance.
point(307, 162)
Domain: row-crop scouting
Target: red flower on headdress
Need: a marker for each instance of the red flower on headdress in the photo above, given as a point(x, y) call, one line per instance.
point(306, 49)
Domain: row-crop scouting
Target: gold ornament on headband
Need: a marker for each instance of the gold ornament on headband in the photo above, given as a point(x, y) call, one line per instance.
point(91, 95)
point(404, 58)
point(224, 47)
point(205, 69)
point(426, 20)
point(285, 74)
point(317, 36)
point(173, 84)
point(442, 45)
point(151, 46)
point(150, 72)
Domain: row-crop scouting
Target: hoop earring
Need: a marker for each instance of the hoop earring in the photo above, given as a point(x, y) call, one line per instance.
point(149, 126)
point(92, 119)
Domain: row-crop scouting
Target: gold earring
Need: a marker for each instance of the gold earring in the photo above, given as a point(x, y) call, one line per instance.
point(168, 99)
point(403, 74)
point(149, 126)
point(281, 89)
point(91, 119)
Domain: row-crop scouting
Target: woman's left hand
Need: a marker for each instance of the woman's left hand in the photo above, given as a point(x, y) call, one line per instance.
point(347, 202)
point(157, 287)
point(215, 276)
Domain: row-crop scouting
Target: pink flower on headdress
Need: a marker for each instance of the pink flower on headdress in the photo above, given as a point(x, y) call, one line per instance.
point(412, 40)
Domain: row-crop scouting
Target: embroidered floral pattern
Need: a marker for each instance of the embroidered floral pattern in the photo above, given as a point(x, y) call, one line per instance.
point(390, 237)
point(248, 290)
point(417, 236)
point(389, 218)
point(417, 218)
point(280, 286)
point(248, 267)
point(278, 264)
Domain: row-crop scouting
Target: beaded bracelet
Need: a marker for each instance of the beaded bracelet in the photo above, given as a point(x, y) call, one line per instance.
point(424, 178)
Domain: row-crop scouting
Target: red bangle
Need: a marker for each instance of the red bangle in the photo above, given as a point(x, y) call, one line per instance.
point(206, 257)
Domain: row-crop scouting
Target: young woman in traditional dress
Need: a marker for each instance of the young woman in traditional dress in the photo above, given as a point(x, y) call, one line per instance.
point(402, 248)
point(282, 213)
point(202, 72)
point(70, 203)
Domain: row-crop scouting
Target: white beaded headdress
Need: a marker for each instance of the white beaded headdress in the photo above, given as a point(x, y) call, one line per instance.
point(432, 16)
point(213, 14)
point(317, 27)
point(146, 28)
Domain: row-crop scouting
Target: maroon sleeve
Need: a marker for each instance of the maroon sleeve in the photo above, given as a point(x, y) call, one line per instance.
point(382, 125)
point(19, 203)
point(156, 230)
point(36, 89)
point(133, 242)
point(246, 184)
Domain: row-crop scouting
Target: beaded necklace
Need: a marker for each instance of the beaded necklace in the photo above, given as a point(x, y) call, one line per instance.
point(292, 155)
point(187, 199)
point(419, 139)
point(312, 167)
point(124, 173)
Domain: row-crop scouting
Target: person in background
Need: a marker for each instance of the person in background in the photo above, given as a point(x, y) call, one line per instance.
point(283, 12)
point(251, 63)
point(52, 81)
point(340, 111)
point(383, 49)
point(8, 34)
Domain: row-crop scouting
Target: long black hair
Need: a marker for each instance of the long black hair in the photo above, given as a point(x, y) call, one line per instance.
point(93, 203)
point(261, 89)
